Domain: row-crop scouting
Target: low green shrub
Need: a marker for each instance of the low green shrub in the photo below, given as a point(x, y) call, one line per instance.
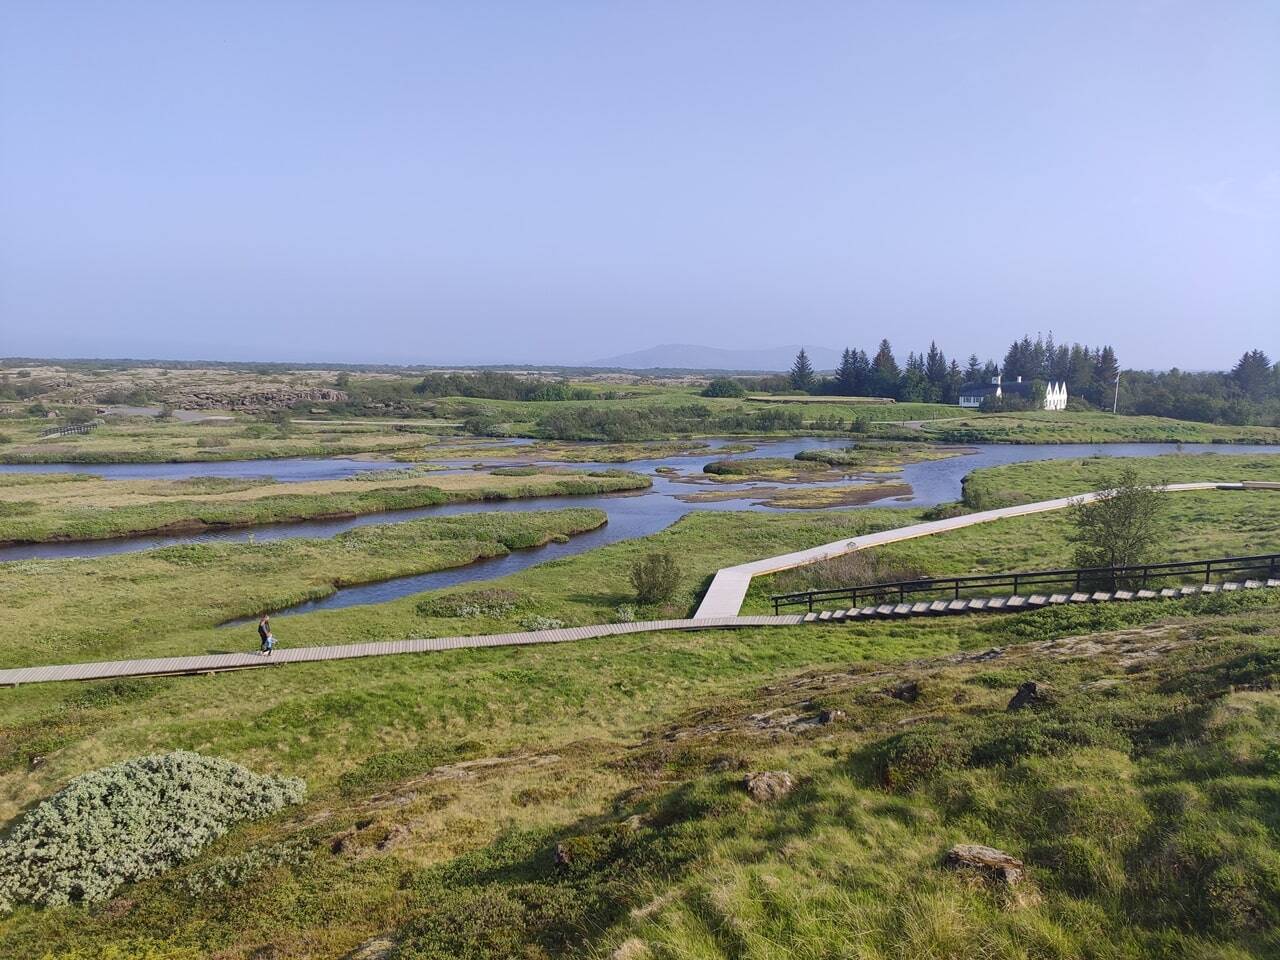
point(473, 604)
point(130, 821)
point(235, 871)
point(724, 387)
point(542, 623)
point(655, 577)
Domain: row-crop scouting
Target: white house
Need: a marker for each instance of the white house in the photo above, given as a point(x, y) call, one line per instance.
point(972, 394)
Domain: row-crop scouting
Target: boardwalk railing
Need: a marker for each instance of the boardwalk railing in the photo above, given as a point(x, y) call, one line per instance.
point(1265, 565)
point(70, 428)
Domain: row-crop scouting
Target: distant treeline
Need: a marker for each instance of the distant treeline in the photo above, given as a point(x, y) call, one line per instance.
point(1248, 393)
point(651, 423)
point(490, 385)
point(931, 377)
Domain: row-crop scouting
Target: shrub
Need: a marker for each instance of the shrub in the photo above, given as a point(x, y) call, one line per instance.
point(625, 613)
point(655, 577)
point(906, 760)
point(234, 871)
point(470, 604)
point(542, 623)
point(857, 569)
point(128, 822)
point(213, 442)
point(724, 387)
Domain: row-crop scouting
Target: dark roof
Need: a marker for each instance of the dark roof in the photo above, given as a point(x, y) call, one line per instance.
point(1007, 387)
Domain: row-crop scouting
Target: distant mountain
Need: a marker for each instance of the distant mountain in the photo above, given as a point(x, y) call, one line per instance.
point(688, 356)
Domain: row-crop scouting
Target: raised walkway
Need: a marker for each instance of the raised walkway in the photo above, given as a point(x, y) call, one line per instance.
point(718, 610)
point(729, 586)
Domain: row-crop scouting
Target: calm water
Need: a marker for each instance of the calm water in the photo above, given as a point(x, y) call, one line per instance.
point(630, 514)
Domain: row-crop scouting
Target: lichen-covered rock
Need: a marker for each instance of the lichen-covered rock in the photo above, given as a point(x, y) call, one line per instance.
point(768, 785)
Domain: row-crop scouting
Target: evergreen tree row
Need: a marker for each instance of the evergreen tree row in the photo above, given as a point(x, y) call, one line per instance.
point(1248, 393)
point(930, 377)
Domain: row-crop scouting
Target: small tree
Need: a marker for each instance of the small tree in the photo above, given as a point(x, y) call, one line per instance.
point(724, 387)
point(802, 371)
point(1123, 526)
point(655, 577)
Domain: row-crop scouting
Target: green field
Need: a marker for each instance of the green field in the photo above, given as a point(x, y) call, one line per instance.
point(1136, 791)
point(669, 415)
point(91, 509)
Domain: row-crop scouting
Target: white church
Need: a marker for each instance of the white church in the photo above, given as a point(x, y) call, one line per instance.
point(972, 394)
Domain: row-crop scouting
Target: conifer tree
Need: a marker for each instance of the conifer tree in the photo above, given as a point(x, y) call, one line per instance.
point(802, 371)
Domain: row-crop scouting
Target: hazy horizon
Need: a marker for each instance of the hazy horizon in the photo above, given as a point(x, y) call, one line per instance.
point(394, 182)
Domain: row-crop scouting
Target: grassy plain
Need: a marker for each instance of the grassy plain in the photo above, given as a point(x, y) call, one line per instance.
point(93, 508)
point(1138, 790)
point(441, 788)
point(152, 440)
point(1083, 427)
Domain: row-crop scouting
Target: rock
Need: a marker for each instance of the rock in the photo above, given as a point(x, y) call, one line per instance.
point(375, 948)
point(1028, 694)
point(564, 856)
point(768, 785)
point(991, 863)
point(831, 716)
point(908, 692)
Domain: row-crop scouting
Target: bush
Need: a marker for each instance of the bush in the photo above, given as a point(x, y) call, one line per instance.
point(542, 623)
point(235, 871)
point(724, 387)
point(213, 442)
point(470, 604)
point(128, 822)
point(655, 577)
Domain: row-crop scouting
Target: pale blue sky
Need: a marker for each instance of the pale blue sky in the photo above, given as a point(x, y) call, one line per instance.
point(560, 181)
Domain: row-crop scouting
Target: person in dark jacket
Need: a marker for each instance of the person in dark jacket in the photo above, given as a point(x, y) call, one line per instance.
point(264, 635)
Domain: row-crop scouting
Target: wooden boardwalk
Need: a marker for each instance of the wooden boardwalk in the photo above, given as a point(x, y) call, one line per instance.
point(729, 586)
point(718, 610)
point(216, 663)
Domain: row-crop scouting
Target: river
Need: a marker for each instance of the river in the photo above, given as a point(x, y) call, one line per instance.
point(630, 515)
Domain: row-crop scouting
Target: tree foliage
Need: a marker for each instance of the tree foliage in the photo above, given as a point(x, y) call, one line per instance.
point(724, 387)
point(1123, 526)
point(802, 371)
point(655, 577)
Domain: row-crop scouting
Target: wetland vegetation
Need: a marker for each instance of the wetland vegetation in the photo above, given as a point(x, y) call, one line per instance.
point(588, 799)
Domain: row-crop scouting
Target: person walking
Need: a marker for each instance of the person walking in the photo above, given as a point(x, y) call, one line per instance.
point(264, 635)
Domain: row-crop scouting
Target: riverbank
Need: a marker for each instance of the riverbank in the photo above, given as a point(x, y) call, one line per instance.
point(67, 507)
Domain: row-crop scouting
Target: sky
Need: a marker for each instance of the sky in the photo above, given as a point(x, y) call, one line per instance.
point(432, 182)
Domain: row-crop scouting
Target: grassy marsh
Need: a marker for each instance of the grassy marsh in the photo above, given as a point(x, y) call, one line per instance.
point(94, 508)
